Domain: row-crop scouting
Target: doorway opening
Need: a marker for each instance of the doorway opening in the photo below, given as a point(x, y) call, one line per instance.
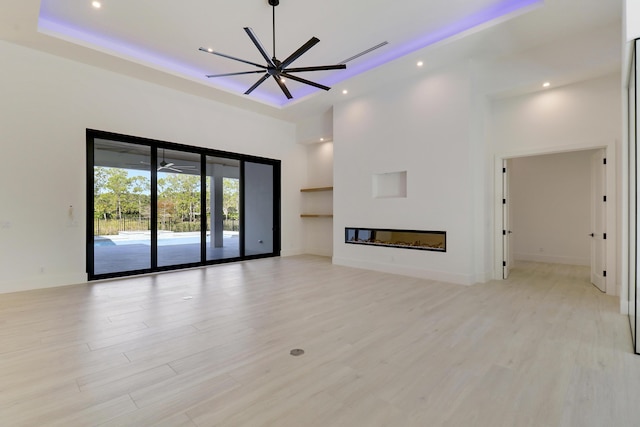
point(557, 207)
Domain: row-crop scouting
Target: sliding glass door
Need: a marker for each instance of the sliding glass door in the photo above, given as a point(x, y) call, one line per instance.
point(157, 206)
point(222, 208)
point(178, 207)
point(119, 225)
point(634, 212)
point(258, 203)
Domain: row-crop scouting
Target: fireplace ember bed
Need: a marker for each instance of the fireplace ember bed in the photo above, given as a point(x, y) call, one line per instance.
point(405, 239)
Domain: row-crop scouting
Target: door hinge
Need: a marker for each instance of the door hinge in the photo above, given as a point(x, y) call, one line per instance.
point(604, 273)
point(504, 232)
point(504, 170)
point(604, 236)
point(504, 201)
point(504, 263)
point(604, 161)
point(604, 198)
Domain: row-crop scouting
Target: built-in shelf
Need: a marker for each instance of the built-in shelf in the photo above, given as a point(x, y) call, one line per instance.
point(316, 215)
point(308, 190)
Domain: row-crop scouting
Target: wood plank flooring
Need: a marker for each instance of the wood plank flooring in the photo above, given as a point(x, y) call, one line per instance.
point(210, 347)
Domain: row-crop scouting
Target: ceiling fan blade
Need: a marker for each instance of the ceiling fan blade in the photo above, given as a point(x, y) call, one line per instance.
point(283, 87)
point(230, 57)
point(295, 55)
point(235, 74)
point(164, 165)
point(258, 83)
point(364, 52)
point(318, 68)
point(141, 162)
point(298, 79)
point(261, 48)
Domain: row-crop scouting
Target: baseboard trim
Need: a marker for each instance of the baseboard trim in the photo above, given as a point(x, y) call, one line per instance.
point(553, 259)
point(403, 270)
point(291, 252)
point(42, 282)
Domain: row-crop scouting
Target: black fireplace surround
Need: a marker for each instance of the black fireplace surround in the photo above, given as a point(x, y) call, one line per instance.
point(405, 239)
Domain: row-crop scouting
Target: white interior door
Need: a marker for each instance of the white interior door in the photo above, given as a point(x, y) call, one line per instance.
point(506, 222)
point(598, 221)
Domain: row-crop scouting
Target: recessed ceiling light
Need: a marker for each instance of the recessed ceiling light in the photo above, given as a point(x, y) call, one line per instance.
point(96, 4)
point(344, 92)
point(546, 84)
point(321, 139)
point(420, 64)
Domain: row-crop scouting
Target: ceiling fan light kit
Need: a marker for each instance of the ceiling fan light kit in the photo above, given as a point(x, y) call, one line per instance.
point(275, 68)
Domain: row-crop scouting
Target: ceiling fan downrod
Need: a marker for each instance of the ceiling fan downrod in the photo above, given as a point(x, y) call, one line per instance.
point(274, 3)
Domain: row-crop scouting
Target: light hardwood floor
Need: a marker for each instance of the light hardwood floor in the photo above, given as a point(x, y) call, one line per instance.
point(210, 347)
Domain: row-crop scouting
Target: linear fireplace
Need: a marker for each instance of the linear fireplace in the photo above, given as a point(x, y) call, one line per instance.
point(407, 239)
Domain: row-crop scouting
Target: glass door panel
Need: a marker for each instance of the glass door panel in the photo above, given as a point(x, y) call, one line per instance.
point(634, 155)
point(258, 187)
point(121, 207)
point(222, 208)
point(178, 207)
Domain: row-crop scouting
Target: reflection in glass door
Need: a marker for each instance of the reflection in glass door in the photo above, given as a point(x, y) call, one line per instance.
point(260, 229)
point(178, 207)
point(223, 208)
point(120, 226)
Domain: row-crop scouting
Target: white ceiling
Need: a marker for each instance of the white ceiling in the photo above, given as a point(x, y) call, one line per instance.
point(158, 41)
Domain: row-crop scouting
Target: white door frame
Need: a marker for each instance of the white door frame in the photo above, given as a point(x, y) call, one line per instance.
point(598, 224)
point(507, 248)
point(610, 152)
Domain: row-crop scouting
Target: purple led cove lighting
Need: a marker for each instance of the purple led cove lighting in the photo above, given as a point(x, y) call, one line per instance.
point(499, 10)
point(120, 49)
point(140, 56)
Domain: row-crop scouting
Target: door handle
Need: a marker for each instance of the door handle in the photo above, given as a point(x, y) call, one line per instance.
point(592, 235)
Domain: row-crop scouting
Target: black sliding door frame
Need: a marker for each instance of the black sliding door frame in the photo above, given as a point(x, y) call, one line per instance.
point(154, 146)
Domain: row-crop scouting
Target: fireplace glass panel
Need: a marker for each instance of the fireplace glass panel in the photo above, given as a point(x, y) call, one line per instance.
point(407, 239)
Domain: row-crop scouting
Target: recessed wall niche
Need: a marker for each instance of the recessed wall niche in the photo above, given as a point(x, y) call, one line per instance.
point(390, 185)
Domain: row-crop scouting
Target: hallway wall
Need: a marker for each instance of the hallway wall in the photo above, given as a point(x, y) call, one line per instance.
point(551, 207)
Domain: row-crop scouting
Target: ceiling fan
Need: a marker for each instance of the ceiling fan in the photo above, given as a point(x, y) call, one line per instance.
point(275, 68)
point(172, 166)
point(166, 165)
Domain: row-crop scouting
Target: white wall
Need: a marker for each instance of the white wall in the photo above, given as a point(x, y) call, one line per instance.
point(46, 103)
point(584, 115)
point(632, 19)
point(420, 126)
point(551, 207)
